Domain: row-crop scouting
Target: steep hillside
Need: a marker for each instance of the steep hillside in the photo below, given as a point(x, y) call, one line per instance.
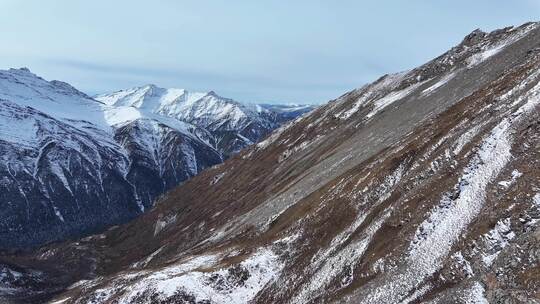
point(423, 186)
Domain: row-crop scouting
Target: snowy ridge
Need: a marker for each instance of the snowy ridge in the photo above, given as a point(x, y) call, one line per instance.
point(53, 98)
point(203, 109)
point(231, 125)
point(63, 151)
point(475, 49)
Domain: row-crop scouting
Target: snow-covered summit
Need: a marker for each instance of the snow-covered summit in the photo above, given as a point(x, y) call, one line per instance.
point(204, 109)
point(62, 101)
point(233, 125)
point(55, 98)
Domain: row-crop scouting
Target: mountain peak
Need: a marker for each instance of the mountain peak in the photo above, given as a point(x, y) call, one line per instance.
point(473, 37)
point(67, 88)
point(479, 36)
point(149, 86)
point(23, 71)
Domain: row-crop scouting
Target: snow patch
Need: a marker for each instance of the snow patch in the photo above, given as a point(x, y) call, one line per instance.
point(217, 178)
point(235, 284)
point(380, 104)
point(515, 175)
point(476, 294)
point(497, 239)
point(439, 83)
point(482, 56)
point(462, 262)
point(536, 200)
point(465, 138)
point(60, 301)
point(389, 82)
point(164, 222)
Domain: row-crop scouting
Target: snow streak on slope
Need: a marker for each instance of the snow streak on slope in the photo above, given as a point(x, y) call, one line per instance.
point(439, 83)
point(380, 104)
point(498, 238)
point(476, 294)
point(435, 237)
point(389, 82)
point(330, 263)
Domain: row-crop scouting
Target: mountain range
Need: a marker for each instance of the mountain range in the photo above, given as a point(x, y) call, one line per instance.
point(421, 187)
point(72, 164)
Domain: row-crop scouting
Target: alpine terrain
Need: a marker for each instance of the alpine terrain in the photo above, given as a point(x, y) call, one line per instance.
point(71, 165)
point(421, 187)
point(232, 125)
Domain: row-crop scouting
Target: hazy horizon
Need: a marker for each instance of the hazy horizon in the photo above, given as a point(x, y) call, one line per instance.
point(253, 52)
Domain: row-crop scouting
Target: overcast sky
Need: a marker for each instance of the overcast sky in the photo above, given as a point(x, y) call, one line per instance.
point(253, 51)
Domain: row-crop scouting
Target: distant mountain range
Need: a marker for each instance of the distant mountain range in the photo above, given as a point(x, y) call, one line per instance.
point(232, 125)
point(73, 164)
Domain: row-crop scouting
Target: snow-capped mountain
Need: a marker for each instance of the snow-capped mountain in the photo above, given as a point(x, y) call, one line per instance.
point(68, 168)
point(233, 125)
point(72, 164)
point(421, 187)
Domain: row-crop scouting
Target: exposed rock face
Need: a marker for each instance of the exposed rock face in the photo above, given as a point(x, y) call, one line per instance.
point(71, 165)
point(161, 157)
point(423, 186)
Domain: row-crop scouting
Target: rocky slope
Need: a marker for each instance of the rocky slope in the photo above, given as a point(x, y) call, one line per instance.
point(422, 187)
point(73, 165)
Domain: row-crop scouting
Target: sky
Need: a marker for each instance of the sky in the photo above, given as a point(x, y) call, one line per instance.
point(253, 51)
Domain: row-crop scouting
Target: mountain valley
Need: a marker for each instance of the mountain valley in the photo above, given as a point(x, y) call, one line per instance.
point(420, 187)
